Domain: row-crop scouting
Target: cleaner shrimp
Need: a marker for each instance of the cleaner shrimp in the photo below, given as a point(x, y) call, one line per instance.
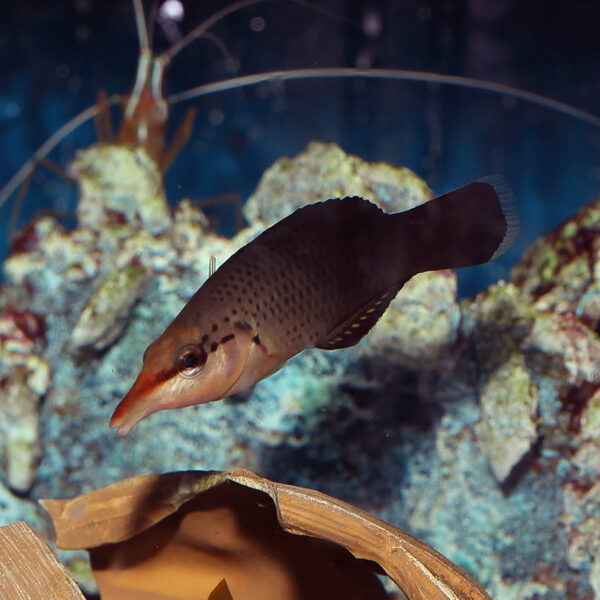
point(146, 112)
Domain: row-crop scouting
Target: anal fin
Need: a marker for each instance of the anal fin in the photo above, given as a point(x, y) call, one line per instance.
point(353, 328)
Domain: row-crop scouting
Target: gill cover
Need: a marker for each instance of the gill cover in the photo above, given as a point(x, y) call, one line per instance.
point(162, 383)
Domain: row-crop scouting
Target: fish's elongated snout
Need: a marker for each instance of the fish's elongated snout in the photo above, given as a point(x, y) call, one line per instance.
point(160, 385)
point(136, 404)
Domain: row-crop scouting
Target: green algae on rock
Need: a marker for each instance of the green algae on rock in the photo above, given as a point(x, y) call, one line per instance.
point(508, 419)
point(107, 311)
point(560, 270)
point(590, 418)
point(325, 171)
point(119, 184)
point(495, 323)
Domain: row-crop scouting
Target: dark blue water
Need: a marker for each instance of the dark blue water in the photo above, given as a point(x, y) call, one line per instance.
point(56, 56)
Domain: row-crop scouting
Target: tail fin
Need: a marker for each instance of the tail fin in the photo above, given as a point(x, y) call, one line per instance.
point(468, 226)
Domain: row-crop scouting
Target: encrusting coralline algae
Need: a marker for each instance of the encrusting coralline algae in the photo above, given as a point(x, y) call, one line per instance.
point(472, 425)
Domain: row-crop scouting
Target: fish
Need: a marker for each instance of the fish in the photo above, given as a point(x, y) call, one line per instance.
point(319, 278)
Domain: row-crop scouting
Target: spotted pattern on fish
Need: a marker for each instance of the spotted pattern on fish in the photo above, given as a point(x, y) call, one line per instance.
point(301, 280)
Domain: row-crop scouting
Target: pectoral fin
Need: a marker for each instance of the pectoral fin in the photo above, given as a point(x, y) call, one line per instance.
point(353, 328)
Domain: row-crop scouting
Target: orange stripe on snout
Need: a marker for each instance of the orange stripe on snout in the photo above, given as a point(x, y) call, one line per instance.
point(144, 384)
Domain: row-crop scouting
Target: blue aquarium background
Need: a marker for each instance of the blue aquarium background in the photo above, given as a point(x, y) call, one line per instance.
point(60, 54)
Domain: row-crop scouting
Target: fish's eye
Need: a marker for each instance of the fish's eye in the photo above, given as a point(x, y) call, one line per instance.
point(190, 360)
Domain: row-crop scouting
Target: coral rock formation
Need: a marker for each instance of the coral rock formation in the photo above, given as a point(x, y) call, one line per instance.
point(473, 425)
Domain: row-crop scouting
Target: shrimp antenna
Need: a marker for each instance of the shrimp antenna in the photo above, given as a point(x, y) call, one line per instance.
point(140, 24)
point(211, 37)
point(201, 29)
point(298, 74)
point(272, 76)
point(142, 30)
point(144, 61)
point(25, 171)
point(151, 20)
point(390, 74)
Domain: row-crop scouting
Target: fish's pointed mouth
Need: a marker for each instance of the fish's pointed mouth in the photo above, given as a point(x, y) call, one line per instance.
point(162, 389)
point(135, 405)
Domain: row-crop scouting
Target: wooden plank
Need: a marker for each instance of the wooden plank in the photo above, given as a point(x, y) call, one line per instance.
point(29, 569)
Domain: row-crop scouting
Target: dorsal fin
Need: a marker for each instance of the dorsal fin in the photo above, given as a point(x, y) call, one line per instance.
point(353, 328)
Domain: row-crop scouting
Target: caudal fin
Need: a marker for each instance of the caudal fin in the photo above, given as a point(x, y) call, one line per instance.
point(468, 226)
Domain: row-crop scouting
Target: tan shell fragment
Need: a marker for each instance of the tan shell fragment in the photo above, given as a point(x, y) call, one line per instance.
point(509, 405)
point(179, 535)
point(107, 311)
point(29, 569)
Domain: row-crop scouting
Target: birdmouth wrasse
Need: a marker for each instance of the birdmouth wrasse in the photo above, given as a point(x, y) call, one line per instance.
point(321, 277)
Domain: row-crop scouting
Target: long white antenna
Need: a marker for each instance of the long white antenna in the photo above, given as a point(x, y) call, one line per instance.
point(23, 173)
point(390, 74)
point(201, 29)
point(140, 24)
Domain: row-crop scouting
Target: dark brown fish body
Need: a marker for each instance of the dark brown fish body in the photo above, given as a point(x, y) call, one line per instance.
point(292, 285)
point(321, 277)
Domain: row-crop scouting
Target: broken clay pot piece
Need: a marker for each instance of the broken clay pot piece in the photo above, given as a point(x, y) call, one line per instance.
point(180, 535)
